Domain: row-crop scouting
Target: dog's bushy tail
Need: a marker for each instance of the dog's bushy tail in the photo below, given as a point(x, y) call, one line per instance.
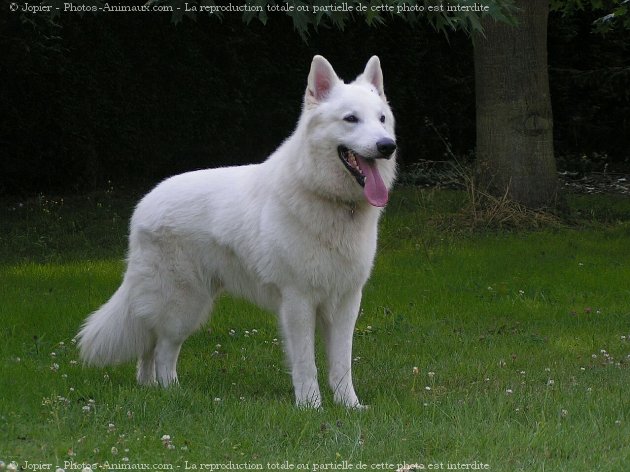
point(112, 334)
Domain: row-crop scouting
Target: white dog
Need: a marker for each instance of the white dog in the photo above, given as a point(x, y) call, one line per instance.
point(295, 234)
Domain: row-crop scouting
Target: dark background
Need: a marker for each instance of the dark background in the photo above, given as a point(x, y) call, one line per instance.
point(127, 99)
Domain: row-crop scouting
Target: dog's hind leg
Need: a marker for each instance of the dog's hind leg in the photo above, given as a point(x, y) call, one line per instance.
point(145, 371)
point(183, 312)
point(166, 354)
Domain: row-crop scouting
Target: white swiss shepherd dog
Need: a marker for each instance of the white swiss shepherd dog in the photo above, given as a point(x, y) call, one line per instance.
point(295, 234)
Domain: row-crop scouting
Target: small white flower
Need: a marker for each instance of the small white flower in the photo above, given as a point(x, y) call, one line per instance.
point(431, 374)
point(53, 354)
point(564, 413)
point(59, 469)
point(427, 388)
point(550, 382)
point(415, 371)
point(12, 467)
point(87, 469)
point(111, 427)
point(166, 441)
point(217, 399)
point(509, 391)
point(54, 367)
point(114, 450)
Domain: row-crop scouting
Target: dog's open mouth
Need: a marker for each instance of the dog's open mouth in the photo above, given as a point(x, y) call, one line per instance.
point(366, 173)
point(350, 160)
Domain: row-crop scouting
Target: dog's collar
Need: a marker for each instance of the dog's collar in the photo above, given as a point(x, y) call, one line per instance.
point(353, 207)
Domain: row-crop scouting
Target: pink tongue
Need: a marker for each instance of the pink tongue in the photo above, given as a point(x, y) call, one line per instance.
point(375, 191)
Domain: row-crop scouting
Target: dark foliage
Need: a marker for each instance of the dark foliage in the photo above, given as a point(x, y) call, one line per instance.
point(590, 93)
point(132, 98)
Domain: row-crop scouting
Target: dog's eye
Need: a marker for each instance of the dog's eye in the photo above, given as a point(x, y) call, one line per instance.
point(351, 119)
point(382, 118)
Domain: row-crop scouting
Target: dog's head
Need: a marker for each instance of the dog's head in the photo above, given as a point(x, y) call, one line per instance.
point(350, 133)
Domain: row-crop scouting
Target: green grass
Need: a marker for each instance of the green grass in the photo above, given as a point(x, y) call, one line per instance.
point(520, 339)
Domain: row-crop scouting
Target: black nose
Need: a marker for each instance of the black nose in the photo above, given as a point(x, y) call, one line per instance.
point(386, 146)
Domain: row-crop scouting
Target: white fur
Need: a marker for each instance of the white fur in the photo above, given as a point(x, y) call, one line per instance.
point(293, 234)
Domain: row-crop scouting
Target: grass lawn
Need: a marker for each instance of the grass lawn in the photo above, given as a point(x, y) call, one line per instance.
point(493, 350)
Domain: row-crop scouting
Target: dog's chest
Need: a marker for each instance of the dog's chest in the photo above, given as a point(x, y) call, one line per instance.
point(326, 254)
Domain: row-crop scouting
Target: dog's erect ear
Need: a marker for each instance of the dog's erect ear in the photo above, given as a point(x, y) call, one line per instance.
point(374, 75)
point(321, 80)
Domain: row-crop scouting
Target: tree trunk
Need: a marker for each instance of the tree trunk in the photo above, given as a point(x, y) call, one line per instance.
point(514, 119)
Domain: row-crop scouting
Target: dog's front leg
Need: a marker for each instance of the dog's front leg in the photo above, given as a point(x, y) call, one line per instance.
point(297, 316)
point(337, 325)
